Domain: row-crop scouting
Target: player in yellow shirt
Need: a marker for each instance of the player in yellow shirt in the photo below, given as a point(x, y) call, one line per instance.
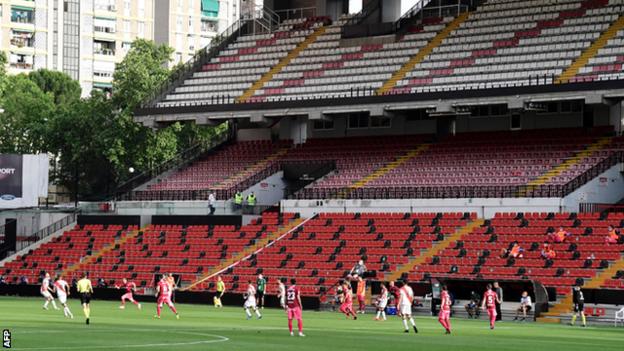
point(85, 289)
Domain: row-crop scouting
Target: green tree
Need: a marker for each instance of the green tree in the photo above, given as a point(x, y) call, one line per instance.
point(3, 62)
point(141, 72)
point(64, 90)
point(27, 111)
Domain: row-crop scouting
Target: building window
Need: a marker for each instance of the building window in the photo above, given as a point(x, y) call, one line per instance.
point(126, 26)
point(208, 26)
point(489, 110)
point(358, 120)
point(380, 122)
point(21, 14)
point(101, 47)
point(21, 61)
point(210, 8)
point(324, 124)
point(22, 39)
point(141, 29)
point(127, 7)
point(141, 8)
point(104, 25)
point(105, 5)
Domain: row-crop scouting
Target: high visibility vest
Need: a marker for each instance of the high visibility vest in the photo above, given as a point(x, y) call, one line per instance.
point(251, 199)
point(238, 198)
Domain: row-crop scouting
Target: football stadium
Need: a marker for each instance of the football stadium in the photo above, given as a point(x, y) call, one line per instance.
point(312, 174)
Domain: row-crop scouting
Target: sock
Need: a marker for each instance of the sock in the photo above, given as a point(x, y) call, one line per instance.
point(405, 324)
point(247, 312)
point(378, 314)
point(448, 324)
point(123, 302)
point(54, 304)
point(583, 319)
point(258, 312)
point(45, 305)
point(300, 325)
point(573, 319)
point(67, 312)
point(158, 309)
point(383, 314)
point(172, 307)
point(86, 311)
point(290, 325)
point(134, 302)
point(412, 321)
point(492, 320)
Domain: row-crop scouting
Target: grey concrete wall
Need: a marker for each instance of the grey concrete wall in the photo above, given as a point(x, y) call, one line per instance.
point(270, 190)
point(607, 188)
point(30, 221)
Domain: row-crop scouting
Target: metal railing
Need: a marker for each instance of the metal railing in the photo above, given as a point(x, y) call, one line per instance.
point(125, 190)
point(408, 16)
point(363, 92)
point(366, 11)
point(298, 13)
point(217, 44)
point(32, 239)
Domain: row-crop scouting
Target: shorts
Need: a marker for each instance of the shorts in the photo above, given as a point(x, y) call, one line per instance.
point(62, 298)
point(127, 296)
point(382, 303)
point(164, 300)
point(405, 310)
point(346, 306)
point(47, 294)
point(492, 311)
point(85, 298)
point(294, 313)
point(579, 307)
point(444, 314)
point(250, 302)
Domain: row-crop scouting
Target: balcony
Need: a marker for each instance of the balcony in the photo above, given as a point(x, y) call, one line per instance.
point(22, 39)
point(22, 15)
point(104, 51)
point(103, 29)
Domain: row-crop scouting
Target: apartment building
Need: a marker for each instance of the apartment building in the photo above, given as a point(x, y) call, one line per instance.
point(86, 38)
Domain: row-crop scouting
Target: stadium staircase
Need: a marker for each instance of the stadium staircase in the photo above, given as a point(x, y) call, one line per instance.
point(564, 305)
point(422, 53)
point(568, 164)
point(250, 171)
point(249, 250)
point(91, 259)
point(249, 93)
point(434, 250)
point(591, 51)
point(380, 172)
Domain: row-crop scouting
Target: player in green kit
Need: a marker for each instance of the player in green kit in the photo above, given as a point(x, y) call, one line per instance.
point(261, 284)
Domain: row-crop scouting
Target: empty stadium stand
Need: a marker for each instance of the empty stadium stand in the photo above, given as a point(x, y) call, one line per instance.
point(63, 252)
point(498, 44)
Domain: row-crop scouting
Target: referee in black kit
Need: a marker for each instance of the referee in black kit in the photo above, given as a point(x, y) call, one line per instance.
point(499, 291)
point(85, 289)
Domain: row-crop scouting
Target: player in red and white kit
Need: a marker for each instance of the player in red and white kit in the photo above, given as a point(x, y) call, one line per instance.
point(347, 300)
point(163, 292)
point(444, 317)
point(47, 290)
point(490, 298)
point(62, 292)
point(130, 288)
point(293, 307)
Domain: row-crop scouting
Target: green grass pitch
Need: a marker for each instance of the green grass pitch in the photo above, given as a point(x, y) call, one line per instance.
point(202, 327)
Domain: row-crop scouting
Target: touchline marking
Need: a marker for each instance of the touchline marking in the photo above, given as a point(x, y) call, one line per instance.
point(219, 338)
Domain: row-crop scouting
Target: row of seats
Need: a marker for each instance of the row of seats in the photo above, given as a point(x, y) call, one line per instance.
point(492, 48)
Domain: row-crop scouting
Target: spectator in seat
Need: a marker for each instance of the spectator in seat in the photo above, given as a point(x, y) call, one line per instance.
point(516, 251)
point(357, 270)
point(2, 280)
point(559, 236)
point(548, 253)
point(525, 306)
point(23, 280)
point(613, 236)
point(472, 307)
